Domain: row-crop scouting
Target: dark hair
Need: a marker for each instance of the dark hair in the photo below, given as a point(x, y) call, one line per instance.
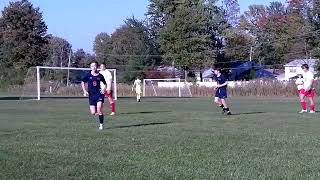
point(95, 63)
point(305, 66)
point(103, 64)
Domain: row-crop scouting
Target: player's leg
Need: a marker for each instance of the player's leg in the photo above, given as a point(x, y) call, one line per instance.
point(92, 105)
point(139, 97)
point(138, 92)
point(217, 98)
point(302, 102)
point(226, 108)
point(93, 110)
point(100, 114)
point(112, 104)
point(311, 100)
point(218, 102)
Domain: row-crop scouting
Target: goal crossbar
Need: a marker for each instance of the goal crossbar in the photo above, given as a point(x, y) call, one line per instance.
point(72, 68)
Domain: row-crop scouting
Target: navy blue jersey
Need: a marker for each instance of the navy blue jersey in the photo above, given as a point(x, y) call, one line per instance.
point(221, 80)
point(94, 83)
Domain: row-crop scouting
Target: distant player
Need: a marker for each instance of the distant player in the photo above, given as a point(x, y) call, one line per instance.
point(95, 93)
point(308, 90)
point(108, 93)
point(221, 91)
point(137, 85)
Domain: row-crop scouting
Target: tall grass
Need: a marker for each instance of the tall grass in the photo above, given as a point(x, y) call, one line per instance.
point(261, 88)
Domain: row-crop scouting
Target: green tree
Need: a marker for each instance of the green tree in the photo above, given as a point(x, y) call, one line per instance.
point(58, 50)
point(297, 30)
point(82, 59)
point(267, 24)
point(102, 47)
point(131, 49)
point(189, 35)
point(23, 39)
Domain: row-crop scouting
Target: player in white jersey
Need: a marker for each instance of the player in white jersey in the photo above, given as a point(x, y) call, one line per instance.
point(308, 90)
point(137, 85)
point(108, 93)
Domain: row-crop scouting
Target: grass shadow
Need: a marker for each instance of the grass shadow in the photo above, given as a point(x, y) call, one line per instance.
point(139, 125)
point(247, 113)
point(145, 112)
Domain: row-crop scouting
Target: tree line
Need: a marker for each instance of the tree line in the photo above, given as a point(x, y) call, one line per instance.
point(187, 34)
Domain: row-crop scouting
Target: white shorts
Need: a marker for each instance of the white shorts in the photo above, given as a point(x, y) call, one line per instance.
point(138, 90)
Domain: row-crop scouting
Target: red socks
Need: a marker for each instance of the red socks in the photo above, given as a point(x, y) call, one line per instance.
point(303, 105)
point(311, 107)
point(113, 109)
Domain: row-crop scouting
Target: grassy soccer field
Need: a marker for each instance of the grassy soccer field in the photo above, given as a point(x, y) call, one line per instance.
point(159, 139)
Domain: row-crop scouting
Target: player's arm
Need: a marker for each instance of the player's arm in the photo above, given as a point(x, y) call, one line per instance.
point(109, 84)
point(105, 83)
point(221, 85)
point(83, 85)
point(134, 84)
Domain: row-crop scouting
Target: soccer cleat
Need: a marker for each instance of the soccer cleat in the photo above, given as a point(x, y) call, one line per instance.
point(229, 113)
point(303, 111)
point(112, 114)
point(312, 112)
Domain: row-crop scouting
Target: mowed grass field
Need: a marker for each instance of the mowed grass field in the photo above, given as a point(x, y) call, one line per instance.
point(160, 138)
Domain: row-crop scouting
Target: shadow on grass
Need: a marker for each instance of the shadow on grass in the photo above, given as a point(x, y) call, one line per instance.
point(145, 112)
point(247, 113)
point(139, 125)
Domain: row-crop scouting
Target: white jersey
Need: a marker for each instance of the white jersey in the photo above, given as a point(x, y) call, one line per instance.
point(308, 79)
point(108, 77)
point(299, 83)
point(138, 84)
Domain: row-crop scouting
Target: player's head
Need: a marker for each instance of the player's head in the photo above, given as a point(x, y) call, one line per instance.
point(299, 75)
point(305, 67)
point(103, 66)
point(216, 71)
point(94, 66)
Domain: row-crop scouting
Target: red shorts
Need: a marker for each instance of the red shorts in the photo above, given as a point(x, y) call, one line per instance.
point(309, 93)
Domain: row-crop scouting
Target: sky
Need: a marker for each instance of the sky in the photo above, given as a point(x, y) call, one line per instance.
point(79, 21)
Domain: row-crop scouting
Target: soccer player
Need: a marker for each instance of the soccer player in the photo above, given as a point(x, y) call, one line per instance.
point(95, 93)
point(137, 85)
point(108, 93)
point(221, 91)
point(308, 90)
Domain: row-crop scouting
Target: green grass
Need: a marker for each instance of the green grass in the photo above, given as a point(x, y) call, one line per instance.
point(159, 139)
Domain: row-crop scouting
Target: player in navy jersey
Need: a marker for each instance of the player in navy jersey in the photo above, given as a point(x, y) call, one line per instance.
point(95, 93)
point(221, 91)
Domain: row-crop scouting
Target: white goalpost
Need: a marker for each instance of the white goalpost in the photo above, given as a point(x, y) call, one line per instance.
point(172, 87)
point(45, 81)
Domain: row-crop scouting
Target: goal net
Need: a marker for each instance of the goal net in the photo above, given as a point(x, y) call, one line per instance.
point(43, 81)
point(166, 88)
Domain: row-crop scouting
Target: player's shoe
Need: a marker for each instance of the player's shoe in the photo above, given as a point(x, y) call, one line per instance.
point(229, 113)
point(312, 112)
point(303, 111)
point(113, 114)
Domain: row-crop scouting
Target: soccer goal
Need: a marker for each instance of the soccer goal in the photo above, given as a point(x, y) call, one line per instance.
point(44, 81)
point(166, 88)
